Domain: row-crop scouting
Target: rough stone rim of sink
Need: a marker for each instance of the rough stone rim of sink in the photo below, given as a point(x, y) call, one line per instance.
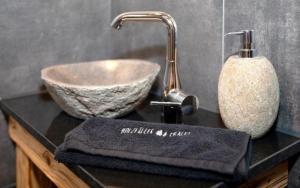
point(45, 76)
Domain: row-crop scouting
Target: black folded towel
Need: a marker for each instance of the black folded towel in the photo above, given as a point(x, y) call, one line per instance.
point(165, 149)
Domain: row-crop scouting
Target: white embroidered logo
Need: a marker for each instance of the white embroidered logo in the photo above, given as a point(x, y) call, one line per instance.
point(159, 133)
point(150, 131)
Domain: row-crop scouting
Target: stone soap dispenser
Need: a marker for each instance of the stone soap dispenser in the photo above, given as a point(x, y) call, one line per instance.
point(248, 90)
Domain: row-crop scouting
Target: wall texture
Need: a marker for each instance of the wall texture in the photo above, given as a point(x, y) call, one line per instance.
point(35, 34)
point(277, 25)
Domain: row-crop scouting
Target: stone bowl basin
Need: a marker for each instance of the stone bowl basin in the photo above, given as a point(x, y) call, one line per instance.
point(108, 88)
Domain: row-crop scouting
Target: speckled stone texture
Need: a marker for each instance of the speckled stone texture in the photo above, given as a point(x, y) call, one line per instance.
point(109, 88)
point(248, 95)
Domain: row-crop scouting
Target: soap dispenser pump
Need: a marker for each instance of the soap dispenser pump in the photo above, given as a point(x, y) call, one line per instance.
point(247, 48)
point(248, 89)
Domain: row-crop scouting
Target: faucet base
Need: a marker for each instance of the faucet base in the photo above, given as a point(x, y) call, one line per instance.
point(171, 114)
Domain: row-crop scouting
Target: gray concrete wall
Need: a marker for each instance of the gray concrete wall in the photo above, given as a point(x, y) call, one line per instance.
point(277, 25)
point(35, 34)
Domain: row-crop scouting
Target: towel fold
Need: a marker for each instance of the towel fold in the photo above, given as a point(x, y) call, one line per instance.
point(165, 149)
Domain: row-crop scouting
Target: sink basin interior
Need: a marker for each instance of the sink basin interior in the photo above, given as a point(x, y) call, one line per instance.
point(100, 73)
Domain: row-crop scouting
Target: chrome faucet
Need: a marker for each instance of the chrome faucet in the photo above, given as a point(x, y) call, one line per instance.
point(172, 93)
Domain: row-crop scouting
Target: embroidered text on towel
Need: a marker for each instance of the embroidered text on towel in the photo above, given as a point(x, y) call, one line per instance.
point(150, 131)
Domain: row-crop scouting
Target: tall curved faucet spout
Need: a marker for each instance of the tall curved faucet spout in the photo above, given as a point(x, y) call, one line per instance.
point(171, 78)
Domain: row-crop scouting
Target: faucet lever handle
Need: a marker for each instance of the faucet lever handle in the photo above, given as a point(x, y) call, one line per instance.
point(164, 103)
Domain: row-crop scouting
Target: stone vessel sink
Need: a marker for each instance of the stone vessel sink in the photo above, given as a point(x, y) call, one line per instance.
point(108, 88)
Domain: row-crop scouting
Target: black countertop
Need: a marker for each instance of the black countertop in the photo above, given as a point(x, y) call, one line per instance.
point(42, 118)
